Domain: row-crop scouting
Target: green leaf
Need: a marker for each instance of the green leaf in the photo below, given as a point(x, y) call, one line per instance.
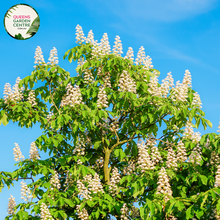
point(180, 205)
point(189, 214)
point(204, 179)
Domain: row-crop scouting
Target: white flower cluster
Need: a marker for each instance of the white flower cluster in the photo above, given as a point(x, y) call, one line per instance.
point(39, 58)
point(82, 214)
point(73, 96)
point(34, 154)
point(17, 153)
point(117, 48)
point(49, 116)
point(171, 159)
point(196, 100)
point(195, 156)
point(107, 81)
point(180, 92)
point(163, 184)
point(53, 59)
point(102, 98)
point(124, 212)
point(155, 155)
point(44, 212)
point(95, 184)
point(100, 162)
point(25, 192)
point(181, 152)
point(144, 160)
point(88, 77)
point(130, 54)
point(11, 205)
point(81, 61)
point(166, 84)
point(126, 83)
point(130, 168)
point(80, 147)
point(114, 126)
point(190, 134)
point(54, 181)
point(15, 94)
point(217, 177)
point(80, 37)
point(90, 38)
point(134, 212)
point(115, 178)
point(143, 60)
point(32, 98)
point(214, 160)
point(153, 89)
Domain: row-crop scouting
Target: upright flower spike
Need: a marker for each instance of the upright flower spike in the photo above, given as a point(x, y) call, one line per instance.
point(115, 178)
point(166, 84)
point(82, 214)
point(104, 45)
point(73, 96)
point(54, 181)
point(171, 159)
point(33, 154)
point(32, 98)
point(153, 89)
point(95, 185)
point(181, 155)
point(53, 59)
point(25, 192)
point(17, 153)
point(90, 38)
point(44, 212)
point(102, 98)
point(196, 100)
point(124, 212)
point(144, 160)
point(11, 205)
point(163, 184)
point(190, 134)
point(195, 156)
point(126, 83)
point(39, 58)
point(80, 37)
point(117, 48)
point(129, 54)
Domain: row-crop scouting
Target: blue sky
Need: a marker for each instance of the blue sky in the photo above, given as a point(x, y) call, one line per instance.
point(176, 34)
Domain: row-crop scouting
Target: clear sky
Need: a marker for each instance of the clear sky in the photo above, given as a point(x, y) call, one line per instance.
point(176, 34)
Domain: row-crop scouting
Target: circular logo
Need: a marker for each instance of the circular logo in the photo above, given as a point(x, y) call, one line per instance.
point(21, 21)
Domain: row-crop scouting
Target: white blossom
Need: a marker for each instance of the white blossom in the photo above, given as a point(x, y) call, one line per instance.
point(14, 94)
point(130, 54)
point(95, 184)
point(124, 212)
point(54, 181)
point(44, 212)
point(143, 60)
point(39, 58)
point(126, 83)
point(34, 154)
point(117, 48)
point(53, 59)
point(32, 98)
point(72, 97)
point(181, 152)
point(144, 160)
point(196, 100)
point(88, 77)
point(155, 155)
point(190, 134)
point(25, 192)
point(80, 37)
point(102, 98)
point(195, 156)
point(17, 153)
point(115, 178)
point(90, 38)
point(163, 184)
point(82, 214)
point(171, 159)
point(11, 205)
point(166, 84)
